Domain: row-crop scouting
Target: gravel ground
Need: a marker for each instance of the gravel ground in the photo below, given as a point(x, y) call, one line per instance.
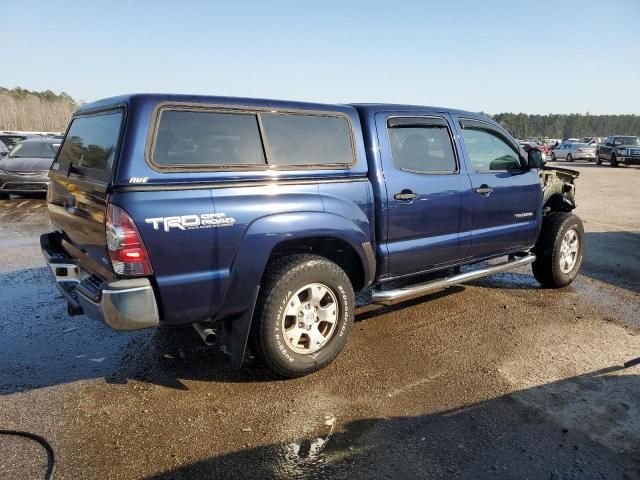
point(498, 378)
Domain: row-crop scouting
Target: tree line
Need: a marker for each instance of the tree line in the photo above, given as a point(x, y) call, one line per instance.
point(22, 109)
point(573, 125)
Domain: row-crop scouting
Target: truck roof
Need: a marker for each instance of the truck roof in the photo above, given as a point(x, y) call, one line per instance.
point(407, 108)
point(154, 98)
point(256, 102)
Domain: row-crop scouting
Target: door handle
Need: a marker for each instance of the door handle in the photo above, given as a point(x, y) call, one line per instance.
point(484, 189)
point(405, 194)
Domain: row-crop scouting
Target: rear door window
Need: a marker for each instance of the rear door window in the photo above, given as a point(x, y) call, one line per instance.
point(91, 144)
point(209, 139)
point(295, 139)
point(421, 145)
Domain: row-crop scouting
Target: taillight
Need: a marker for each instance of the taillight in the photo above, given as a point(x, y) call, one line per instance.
point(579, 150)
point(126, 249)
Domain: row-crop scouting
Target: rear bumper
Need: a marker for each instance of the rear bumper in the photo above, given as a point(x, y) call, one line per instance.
point(128, 304)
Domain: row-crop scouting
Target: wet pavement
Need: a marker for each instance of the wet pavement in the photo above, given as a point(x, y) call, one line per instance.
point(494, 379)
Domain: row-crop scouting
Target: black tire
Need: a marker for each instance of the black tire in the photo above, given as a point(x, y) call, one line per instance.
point(569, 158)
point(547, 268)
point(598, 160)
point(283, 278)
point(553, 157)
point(614, 161)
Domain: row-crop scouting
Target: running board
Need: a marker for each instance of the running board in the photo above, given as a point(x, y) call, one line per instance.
point(388, 297)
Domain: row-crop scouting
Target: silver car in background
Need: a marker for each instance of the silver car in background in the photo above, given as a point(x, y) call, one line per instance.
point(571, 151)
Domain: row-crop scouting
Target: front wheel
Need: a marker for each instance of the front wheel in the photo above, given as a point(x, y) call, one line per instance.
point(614, 161)
point(304, 315)
point(598, 159)
point(553, 157)
point(569, 158)
point(559, 250)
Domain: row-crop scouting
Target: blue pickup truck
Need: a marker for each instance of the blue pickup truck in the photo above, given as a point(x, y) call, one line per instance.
point(257, 220)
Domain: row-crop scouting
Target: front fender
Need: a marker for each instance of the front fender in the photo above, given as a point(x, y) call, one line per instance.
point(264, 234)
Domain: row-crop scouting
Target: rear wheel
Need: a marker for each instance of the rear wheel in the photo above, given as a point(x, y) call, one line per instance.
point(559, 250)
point(569, 158)
point(304, 315)
point(614, 160)
point(553, 157)
point(598, 159)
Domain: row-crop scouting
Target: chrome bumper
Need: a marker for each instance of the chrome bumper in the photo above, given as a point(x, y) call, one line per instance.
point(128, 304)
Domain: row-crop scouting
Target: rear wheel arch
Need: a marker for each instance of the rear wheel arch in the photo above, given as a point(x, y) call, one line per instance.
point(279, 232)
point(335, 249)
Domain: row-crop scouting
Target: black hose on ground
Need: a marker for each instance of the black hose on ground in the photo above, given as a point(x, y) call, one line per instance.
point(51, 455)
point(631, 363)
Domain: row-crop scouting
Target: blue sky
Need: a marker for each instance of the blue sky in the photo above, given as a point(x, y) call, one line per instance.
point(533, 57)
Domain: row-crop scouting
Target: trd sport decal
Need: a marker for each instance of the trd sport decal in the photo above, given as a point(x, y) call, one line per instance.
point(191, 222)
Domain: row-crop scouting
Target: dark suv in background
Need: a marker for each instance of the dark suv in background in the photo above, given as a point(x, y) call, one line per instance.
point(619, 149)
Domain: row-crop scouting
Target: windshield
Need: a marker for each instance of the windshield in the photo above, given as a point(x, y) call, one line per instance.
point(627, 141)
point(33, 150)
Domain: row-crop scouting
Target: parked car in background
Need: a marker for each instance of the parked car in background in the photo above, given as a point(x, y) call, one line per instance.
point(571, 151)
point(4, 151)
point(592, 140)
point(619, 149)
point(10, 139)
point(26, 168)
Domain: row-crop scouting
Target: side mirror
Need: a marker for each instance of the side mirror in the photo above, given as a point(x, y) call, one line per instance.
point(534, 158)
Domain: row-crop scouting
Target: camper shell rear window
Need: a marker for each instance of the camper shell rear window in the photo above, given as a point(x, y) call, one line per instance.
point(91, 145)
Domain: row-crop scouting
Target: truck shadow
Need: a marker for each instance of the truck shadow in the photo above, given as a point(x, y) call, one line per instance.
point(582, 427)
point(41, 346)
point(610, 257)
point(614, 258)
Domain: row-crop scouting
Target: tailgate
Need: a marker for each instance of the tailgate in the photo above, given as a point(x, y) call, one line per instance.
point(80, 177)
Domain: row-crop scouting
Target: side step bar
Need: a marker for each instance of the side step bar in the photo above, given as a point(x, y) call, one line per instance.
point(387, 297)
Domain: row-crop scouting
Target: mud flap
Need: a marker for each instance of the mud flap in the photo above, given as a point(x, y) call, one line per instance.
point(235, 333)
